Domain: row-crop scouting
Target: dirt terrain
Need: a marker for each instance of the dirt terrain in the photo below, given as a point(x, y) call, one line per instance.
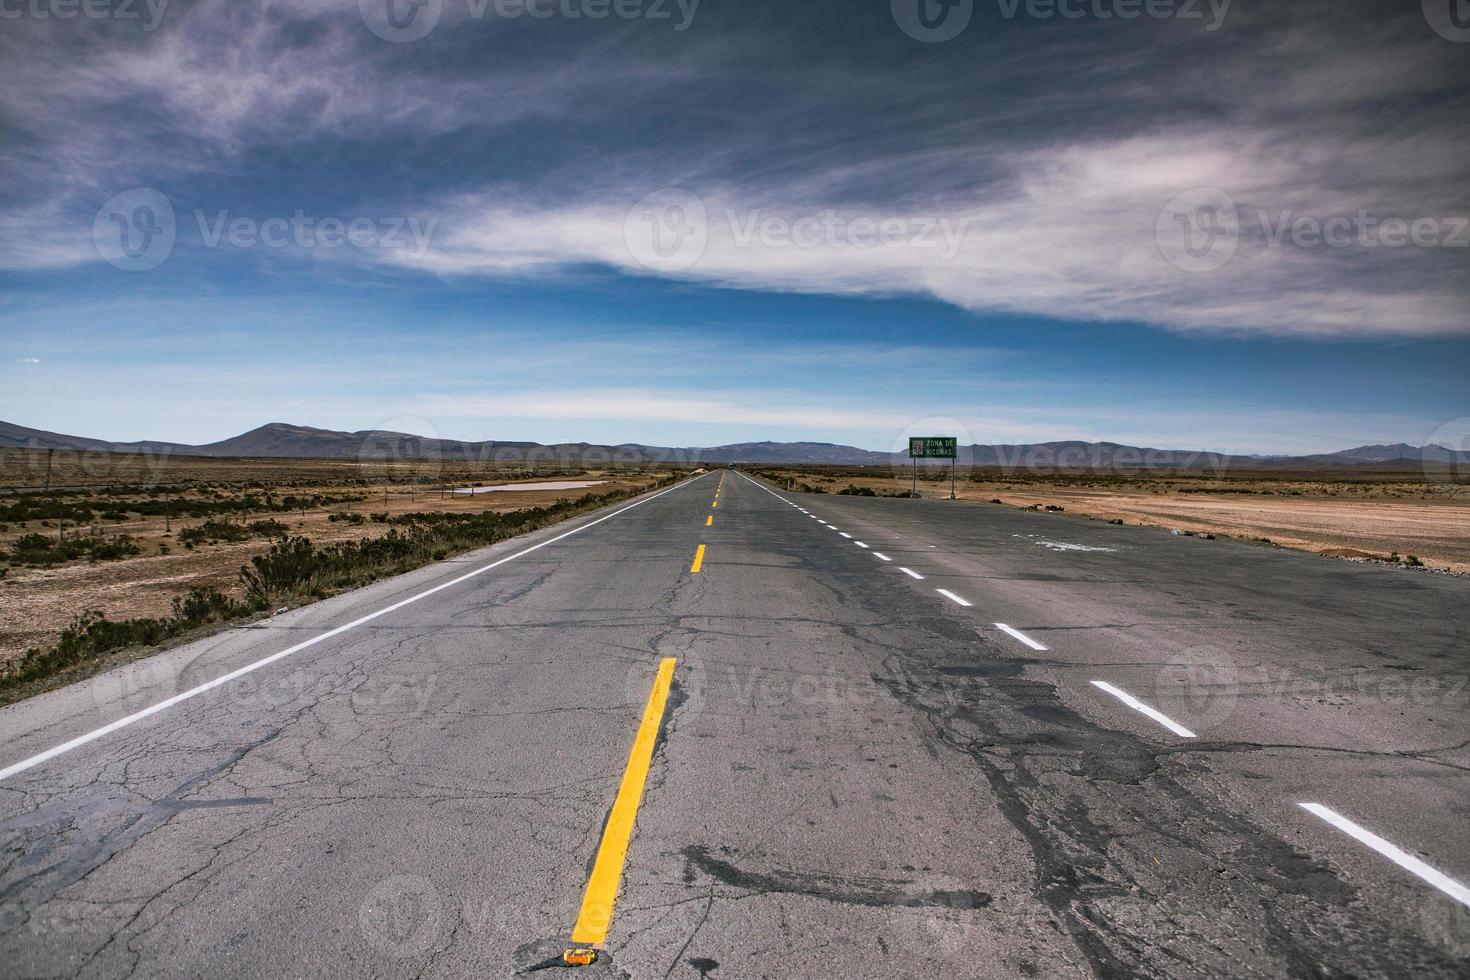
point(1356, 514)
point(36, 601)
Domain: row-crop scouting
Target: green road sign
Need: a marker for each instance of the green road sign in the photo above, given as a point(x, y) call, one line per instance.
point(937, 447)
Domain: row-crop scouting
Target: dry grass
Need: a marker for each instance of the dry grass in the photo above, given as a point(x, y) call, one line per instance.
point(36, 602)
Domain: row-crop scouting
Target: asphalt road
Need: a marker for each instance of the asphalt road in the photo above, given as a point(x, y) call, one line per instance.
point(857, 774)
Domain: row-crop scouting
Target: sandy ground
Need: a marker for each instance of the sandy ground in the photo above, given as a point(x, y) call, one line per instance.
point(1341, 516)
point(1437, 533)
point(35, 603)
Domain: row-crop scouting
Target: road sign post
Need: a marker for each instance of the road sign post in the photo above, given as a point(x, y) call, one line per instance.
point(934, 447)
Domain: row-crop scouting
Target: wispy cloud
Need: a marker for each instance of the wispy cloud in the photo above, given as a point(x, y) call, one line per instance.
point(1027, 178)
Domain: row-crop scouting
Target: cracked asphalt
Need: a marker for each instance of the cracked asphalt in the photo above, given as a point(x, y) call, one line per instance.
point(856, 776)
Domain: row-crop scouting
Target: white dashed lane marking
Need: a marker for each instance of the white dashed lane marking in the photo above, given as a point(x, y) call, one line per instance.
point(1402, 858)
point(1144, 709)
point(1020, 636)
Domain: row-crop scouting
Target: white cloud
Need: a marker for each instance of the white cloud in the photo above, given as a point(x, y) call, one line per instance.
point(1071, 233)
point(1058, 179)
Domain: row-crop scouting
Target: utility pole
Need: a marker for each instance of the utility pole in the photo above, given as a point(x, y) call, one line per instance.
point(168, 516)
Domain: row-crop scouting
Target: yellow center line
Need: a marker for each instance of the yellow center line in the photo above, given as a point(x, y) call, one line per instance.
point(607, 871)
point(716, 503)
point(709, 520)
point(698, 557)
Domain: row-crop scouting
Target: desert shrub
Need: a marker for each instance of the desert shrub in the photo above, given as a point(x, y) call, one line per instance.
point(286, 568)
point(113, 548)
point(855, 491)
point(293, 567)
point(215, 531)
point(32, 543)
point(202, 606)
point(91, 634)
point(37, 549)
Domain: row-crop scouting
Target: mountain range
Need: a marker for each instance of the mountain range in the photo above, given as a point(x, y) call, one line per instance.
point(282, 441)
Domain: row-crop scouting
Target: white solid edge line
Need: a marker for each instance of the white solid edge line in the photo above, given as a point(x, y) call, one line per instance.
point(912, 574)
point(881, 556)
point(1403, 859)
point(1144, 709)
point(1020, 636)
point(164, 705)
point(950, 595)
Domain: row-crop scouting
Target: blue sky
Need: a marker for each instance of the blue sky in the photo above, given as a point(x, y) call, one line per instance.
point(779, 222)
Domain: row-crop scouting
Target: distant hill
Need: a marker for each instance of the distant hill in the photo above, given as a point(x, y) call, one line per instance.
point(280, 440)
point(1402, 452)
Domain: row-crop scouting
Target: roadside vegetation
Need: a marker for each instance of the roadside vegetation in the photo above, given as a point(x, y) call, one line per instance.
point(40, 549)
point(294, 571)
